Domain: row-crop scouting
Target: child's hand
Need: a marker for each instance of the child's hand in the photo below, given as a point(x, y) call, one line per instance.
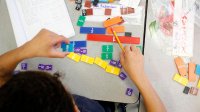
point(44, 44)
point(133, 62)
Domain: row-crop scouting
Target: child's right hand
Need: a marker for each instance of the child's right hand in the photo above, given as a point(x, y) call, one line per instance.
point(133, 62)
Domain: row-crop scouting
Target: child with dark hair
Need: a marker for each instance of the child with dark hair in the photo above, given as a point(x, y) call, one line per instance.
point(34, 91)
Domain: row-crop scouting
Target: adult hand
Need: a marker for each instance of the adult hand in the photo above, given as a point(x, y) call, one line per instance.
point(45, 44)
point(133, 62)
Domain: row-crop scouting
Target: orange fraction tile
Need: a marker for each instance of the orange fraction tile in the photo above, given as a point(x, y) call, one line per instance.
point(180, 66)
point(109, 38)
point(117, 29)
point(113, 21)
point(191, 73)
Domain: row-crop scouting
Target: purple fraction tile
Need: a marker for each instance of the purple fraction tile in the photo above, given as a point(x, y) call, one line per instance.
point(113, 62)
point(77, 50)
point(122, 76)
point(24, 66)
point(41, 67)
point(129, 91)
point(48, 67)
point(119, 64)
point(83, 51)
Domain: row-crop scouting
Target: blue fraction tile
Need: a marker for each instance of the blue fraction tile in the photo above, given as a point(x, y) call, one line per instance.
point(122, 76)
point(71, 47)
point(92, 30)
point(41, 67)
point(63, 45)
point(80, 44)
point(129, 91)
point(113, 62)
point(24, 66)
point(198, 69)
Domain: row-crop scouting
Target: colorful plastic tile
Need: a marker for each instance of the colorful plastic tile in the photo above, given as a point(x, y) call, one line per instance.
point(191, 72)
point(81, 21)
point(41, 67)
point(193, 91)
point(92, 30)
point(79, 44)
point(198, 85)
point(84, 13)
point(180, 79)
point(24, 66)
point(119, 64)
point(128, 34)
point(198, 70)
point(87, 59)
point(117, 29)
point(181, 66)
point(112, 70)
point(108, 12)
point(48, 67)
point(113, 62)
point(78, 7)
point(78, 1)
point(89, 12)
point(106, 56)
point(87, 3)
point(113, 21)
point(107, 48)
point(74, 56)
point(83, 51)
point(129, 92)
point(186, 90)
point(70, 47)
point(122, 76)
point(100, 62)
point(77, 50)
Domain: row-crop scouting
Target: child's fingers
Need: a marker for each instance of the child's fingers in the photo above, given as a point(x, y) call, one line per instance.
point(57, 54)
point(60, 39)
point(122, 58)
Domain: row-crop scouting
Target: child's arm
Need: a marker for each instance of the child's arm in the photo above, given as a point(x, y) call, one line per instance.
point(133, 63)
point(44, 44)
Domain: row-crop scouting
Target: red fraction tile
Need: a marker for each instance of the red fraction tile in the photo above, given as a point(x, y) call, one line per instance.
point(108, 11)
point(89, 12)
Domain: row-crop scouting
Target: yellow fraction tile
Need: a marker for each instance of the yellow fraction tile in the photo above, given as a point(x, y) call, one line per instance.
point(176, 77)
point(113, 70)
point(180, 79)
point(100, 62)
point(198, 85)
point(87, 59)
point(74, 56)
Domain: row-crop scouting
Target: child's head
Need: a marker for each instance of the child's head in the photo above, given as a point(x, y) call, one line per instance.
point(35, 92)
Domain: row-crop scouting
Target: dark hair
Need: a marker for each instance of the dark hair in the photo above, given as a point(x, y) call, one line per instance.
point(35, 91)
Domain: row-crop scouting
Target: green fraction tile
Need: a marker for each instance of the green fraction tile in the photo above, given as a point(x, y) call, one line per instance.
point(106, 56)
point(107, 48)
point(140, 47)
point(81, 21)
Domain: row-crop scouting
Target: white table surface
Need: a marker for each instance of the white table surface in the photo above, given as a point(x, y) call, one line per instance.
point(94, 83)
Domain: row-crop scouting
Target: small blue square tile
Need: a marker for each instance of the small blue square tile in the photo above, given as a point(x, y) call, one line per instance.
point(198, 70)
